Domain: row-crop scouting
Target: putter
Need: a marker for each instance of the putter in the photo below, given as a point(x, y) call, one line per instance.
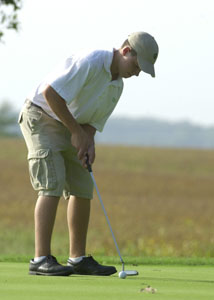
point(128, 272)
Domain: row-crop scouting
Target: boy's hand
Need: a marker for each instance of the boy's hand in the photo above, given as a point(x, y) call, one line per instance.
point(80, 140)
point(91, 156)
point(90, 130)
point(83, 140)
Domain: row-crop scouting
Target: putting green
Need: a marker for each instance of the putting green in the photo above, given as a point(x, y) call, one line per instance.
point(171, 282)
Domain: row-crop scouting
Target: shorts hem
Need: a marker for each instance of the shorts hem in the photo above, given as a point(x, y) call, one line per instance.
point(85, 196)
point(49, 193)
point(67, 196)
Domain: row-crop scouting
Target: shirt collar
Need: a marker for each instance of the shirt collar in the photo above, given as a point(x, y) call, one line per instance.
point(108, 60)
point(107, 65)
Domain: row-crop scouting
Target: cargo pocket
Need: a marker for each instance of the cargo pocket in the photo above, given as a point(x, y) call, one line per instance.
point(42, 170)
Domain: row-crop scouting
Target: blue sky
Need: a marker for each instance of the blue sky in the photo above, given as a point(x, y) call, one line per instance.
point(50, 30)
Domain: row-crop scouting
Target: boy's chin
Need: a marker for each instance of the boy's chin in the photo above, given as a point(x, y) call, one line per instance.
point(127, 76)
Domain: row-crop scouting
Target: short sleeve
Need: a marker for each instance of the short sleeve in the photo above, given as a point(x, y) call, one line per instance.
point(69, 78)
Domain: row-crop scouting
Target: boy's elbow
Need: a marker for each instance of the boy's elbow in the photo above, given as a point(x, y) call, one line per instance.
point(51, 95)
point(46, 92)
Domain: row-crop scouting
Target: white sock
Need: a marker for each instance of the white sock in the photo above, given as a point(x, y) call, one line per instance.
point(38, 259)
point(76, 260)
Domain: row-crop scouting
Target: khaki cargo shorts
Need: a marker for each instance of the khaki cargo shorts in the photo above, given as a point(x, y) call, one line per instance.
point(54, 167)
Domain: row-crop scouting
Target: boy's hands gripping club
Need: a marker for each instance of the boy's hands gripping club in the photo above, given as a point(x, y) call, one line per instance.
point(83, 141)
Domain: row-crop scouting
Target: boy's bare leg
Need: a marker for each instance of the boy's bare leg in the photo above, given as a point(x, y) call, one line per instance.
point(78, 213)
point(45, 213)
point(78, 219)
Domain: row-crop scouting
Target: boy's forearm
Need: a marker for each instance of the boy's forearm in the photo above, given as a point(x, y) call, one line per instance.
point(82, 136)
point(59, 107)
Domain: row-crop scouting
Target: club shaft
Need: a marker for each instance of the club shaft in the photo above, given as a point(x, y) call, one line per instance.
point(107, 219)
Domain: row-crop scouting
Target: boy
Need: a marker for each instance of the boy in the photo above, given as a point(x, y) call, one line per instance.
point(59, 121)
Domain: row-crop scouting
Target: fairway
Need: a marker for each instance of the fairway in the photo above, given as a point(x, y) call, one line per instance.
point(171, 282)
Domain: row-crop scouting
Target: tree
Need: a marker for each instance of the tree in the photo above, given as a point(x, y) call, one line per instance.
point(9, 15)
point(8, 120)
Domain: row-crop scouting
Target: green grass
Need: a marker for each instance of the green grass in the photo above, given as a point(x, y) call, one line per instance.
point(171, 282)
point(160, 203)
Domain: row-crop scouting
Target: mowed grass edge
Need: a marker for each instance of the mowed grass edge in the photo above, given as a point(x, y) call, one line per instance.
point(130, 260)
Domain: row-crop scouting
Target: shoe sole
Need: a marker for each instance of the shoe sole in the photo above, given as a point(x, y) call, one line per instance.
point(96, 274)
point(50, 274)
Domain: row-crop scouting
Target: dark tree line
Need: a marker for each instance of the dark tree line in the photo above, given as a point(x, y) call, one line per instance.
point(8, 120)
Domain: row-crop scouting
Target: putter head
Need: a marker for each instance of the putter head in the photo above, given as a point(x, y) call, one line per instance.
point(128, 272)
point(131, 272)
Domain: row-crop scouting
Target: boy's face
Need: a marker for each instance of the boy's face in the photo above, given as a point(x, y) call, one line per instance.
point(128, 66)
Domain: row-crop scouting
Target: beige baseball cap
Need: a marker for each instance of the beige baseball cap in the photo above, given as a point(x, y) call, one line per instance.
point(147, 50)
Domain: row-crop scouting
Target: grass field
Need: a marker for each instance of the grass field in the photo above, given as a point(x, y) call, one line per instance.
point(160, 203)
point(170, 282)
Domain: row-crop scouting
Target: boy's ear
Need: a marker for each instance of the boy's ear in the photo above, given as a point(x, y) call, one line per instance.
point(126, 50)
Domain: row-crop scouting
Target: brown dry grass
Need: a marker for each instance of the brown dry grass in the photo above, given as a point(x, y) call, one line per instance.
point(159, 201)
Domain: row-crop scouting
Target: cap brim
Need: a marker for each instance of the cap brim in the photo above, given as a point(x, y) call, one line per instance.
point(146, 66)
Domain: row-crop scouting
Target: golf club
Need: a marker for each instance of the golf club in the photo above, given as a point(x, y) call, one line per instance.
point(128, 272)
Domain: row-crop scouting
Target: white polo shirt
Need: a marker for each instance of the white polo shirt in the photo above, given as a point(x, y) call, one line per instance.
point(84, 82)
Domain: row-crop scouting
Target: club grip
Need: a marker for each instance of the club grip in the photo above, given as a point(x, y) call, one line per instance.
point(88, 164)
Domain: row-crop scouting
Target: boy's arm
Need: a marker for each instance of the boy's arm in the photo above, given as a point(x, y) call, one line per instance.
point(82, 136)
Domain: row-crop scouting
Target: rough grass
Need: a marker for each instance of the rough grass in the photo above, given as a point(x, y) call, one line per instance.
point(160, 203)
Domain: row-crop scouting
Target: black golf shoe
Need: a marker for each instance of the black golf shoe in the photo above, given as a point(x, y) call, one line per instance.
point(89, 266)
point(49, 267)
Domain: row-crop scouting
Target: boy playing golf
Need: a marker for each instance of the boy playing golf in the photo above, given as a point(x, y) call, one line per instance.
point(59, 121)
